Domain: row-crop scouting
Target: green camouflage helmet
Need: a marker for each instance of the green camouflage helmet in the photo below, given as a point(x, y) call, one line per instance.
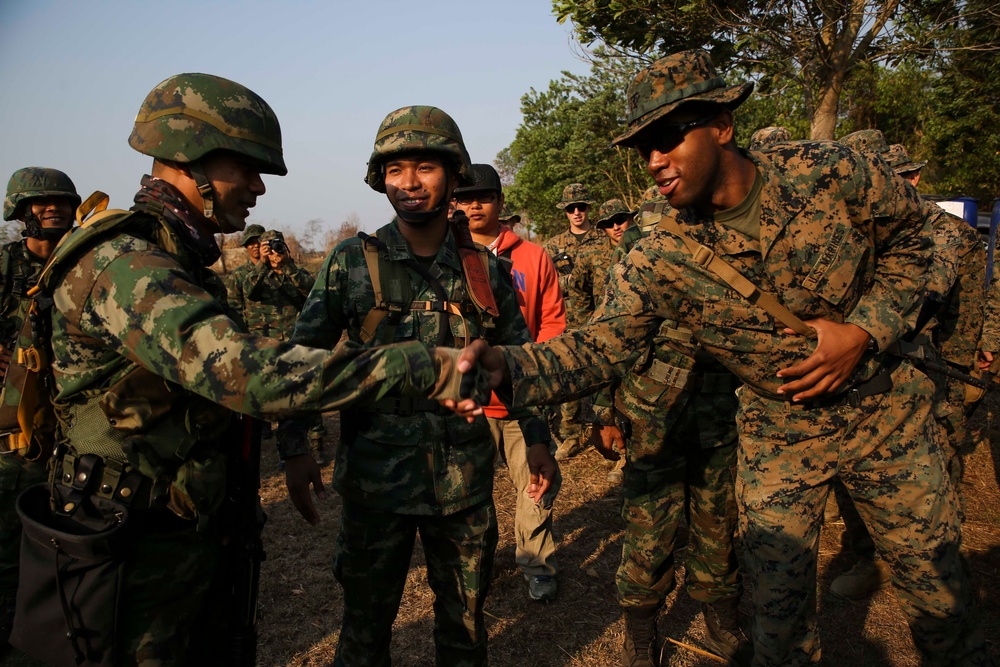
point(250, 234)
point(769, 135)
point(418, 129)
point(31, 182)
point(871, 142)
point(190, 115)
point(680, 78)
point(575, 193)
point(900, 161)
point(610, 210)
point(272, 235)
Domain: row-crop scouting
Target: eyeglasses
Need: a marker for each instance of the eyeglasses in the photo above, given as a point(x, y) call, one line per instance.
point(481, 197)
point(664, 137)
point(573, 208)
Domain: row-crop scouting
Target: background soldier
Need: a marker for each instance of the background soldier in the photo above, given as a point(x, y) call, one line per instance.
point(537, 285)
point(581, 257)
point(769, 135)
point(404, 466)
point(45, 200)
point(614, 218)
point(819, 232)
point(240, 275)
point(148, 368)
point(680, 463)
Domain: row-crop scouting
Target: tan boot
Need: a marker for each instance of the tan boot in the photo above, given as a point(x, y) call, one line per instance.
point(641, 649)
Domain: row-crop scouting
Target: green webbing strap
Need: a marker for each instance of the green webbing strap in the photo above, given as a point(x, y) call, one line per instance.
point(705, 257)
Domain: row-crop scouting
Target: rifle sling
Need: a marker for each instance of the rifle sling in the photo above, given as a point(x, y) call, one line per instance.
point(706, 258)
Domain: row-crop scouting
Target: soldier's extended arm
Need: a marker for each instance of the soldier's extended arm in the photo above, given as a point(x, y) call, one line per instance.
point(182, 334)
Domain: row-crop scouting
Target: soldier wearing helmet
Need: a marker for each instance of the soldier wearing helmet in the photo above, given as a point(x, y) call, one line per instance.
point(614, 217)
point(150, 369)
point(403, 466)
point(831, 250)
point(45, 201)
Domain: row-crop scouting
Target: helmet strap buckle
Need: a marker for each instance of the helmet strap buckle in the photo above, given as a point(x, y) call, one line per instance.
point(204, 188)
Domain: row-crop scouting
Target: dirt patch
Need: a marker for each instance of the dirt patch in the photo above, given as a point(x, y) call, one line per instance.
point(301, 601)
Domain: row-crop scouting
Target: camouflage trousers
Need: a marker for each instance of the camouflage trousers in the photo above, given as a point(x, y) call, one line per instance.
point(888, 454)
point(16, 475)
point(535, 547)
point(670, 475)
point(173, 603)
point(371, 562)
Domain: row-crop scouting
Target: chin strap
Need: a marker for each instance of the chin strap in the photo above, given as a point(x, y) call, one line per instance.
point(33, 230)
point(204, 189)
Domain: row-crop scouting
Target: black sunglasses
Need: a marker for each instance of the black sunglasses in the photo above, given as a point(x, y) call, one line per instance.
point(664, 137)
point(573, 208)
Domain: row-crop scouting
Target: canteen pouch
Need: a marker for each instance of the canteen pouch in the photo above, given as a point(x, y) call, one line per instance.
point(72, 574)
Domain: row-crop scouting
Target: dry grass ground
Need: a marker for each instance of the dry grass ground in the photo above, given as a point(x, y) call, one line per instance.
point(301, 601)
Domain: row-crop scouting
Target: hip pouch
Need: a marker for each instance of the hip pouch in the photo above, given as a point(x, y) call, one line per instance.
point(72, 574)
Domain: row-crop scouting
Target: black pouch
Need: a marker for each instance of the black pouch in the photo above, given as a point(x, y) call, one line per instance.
point(71, 576)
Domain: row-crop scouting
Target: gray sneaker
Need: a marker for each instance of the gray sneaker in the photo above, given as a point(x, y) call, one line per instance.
point(863, 579)
point(541, 587)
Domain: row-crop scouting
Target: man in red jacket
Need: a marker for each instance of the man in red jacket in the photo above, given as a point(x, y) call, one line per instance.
point(537, 286)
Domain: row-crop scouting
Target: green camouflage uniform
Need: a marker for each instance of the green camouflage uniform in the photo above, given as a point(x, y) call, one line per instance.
point(680, 462)
point(271, 300)
point(20, 270)
point(403, 467)
point(149, 368)
point(841, 238)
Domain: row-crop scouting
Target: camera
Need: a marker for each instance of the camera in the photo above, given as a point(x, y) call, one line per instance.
point(278, 246)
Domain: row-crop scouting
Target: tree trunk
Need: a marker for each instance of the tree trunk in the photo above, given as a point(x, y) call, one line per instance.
point(824, 119)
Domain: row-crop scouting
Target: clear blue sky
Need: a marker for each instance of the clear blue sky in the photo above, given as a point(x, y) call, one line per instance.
point(73, 75)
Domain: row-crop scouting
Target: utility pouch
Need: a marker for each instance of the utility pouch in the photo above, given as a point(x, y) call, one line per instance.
point(72, 574)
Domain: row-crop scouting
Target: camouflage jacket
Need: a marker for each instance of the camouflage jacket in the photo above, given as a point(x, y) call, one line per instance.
point(19, 270)
point(955, 289)
point(271, 301)
point(840, 237)
point(582, 262)
point(708, 386)
point(235, 286)
point(411, 461)
point(990, 341)
point(147, 361)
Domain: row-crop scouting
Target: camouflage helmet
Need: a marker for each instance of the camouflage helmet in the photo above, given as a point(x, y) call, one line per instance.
point(188, 116)
point(680, 78)
point(611, 209)
point(870, 142)
point(31, 182)
point(418, 129)
point(271, 235)
point(900, 161)
point(250, 233)
point(574, 193)
point(769, 135)
point(508, 217)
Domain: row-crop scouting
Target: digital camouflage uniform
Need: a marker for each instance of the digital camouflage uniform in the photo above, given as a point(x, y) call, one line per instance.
point(273, 300)
point(680, 463)
point(404, 467)
point(582, 261)
point(841, 238)
point(149, 370)
point(769, 135)
point(950, 323)
point(19, 271)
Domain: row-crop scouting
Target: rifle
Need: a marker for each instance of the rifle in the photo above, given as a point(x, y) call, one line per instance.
point(929, 361)
point(246, 550)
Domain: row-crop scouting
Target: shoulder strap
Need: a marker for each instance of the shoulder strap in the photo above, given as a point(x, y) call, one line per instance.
point(375, 316)
point(475, 263)
point(705, 257)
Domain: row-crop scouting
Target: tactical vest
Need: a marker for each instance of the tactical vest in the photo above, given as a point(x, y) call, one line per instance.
point(141, 423)
point(393, 290)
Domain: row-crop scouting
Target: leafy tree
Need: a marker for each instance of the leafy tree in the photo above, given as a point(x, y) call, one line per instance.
point(565, 137)
point(813, 45)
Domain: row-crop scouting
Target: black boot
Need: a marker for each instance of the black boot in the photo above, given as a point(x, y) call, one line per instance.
point(723, 635)
point(641, 648)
